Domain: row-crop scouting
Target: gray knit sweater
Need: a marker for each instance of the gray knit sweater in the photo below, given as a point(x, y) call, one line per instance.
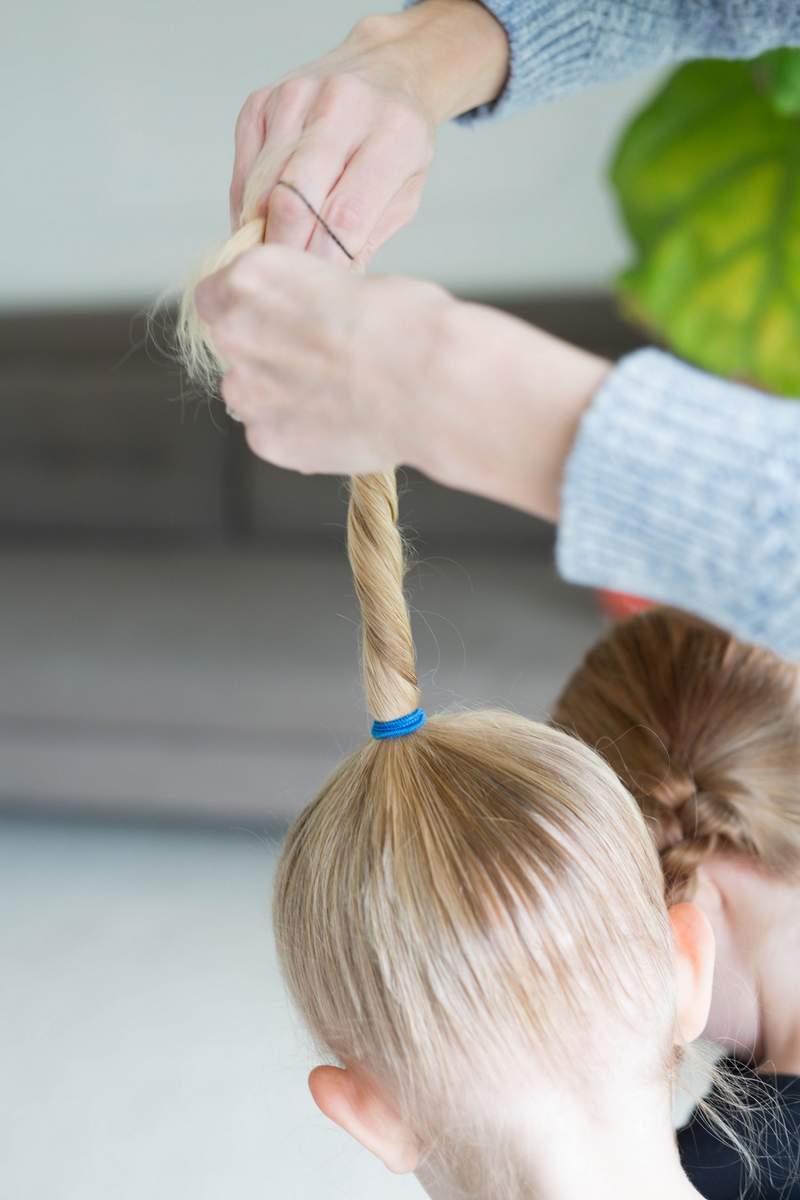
point(559, 46)
point(680, 487)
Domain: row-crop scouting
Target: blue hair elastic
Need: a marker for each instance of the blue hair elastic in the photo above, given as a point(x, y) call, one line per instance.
point(400, 726)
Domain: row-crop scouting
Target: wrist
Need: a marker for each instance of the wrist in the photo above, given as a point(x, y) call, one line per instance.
point(506, 403)
point(452, 54)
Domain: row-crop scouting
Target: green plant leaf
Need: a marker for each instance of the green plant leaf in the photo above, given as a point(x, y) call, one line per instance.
point(708, 181)
point(780, 72)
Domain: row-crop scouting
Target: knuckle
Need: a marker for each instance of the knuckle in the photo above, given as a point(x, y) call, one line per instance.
point(293, 93)
point(347, 213)
point(245, 275)
point(286, 208)
point(401, 120)
point(251, 109)
point(410, 206)
point(433, 294)
point(255, 101)
point(341, 91)
point(371, 28)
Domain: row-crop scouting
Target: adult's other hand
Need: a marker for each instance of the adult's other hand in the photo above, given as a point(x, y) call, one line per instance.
point(336, 373)
point(359, 125)
point(328, 371)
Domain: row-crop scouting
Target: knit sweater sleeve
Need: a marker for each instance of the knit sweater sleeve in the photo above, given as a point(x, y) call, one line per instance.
point(559, 46)
point(685, 489)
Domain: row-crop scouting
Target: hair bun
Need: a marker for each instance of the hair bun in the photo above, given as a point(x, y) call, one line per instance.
point(705, 732)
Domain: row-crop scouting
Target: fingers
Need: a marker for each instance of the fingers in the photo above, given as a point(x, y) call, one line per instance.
point(400, 212)
point(372, 200)
point(281, 449)
point(347, 150)
point(213, 296)
point(355, 203)
point(285, 119)
point(271, 119)
point(244, 303)
point(268, 429)
point(238, 387)
point(248, 139)
point(217, 295)
point(313, 171)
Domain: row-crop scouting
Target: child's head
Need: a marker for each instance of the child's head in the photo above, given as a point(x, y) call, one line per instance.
point(471, 916)
point(704, 731)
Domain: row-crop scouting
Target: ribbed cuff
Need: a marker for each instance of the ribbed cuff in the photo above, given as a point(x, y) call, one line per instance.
point(685, 489)
point(549, 46)
point(560, 46)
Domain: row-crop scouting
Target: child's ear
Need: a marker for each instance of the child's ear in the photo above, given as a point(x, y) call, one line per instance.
point(693, 952)
point(353, 1103)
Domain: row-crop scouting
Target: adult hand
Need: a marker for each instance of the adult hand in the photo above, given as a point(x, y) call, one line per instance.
point(362, 120)
point(328, 371)
point(332, 372)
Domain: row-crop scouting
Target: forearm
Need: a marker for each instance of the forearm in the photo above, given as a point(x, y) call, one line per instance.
point(453, 54)
point(508, 402)
point(665, 481)
point(560, 46)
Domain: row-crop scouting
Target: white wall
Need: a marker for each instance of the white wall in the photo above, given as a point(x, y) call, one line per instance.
point(118, 131)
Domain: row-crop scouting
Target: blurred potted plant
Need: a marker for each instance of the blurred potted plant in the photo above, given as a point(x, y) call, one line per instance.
point(707, 179)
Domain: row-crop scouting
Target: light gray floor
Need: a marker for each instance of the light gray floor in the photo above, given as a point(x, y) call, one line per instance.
point(146, 1048)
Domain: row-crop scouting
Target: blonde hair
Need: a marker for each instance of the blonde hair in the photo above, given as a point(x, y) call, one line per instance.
point(468, 901)
point(704, 730)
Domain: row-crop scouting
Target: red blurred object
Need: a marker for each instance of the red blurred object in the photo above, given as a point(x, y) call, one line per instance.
point(618, 605)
